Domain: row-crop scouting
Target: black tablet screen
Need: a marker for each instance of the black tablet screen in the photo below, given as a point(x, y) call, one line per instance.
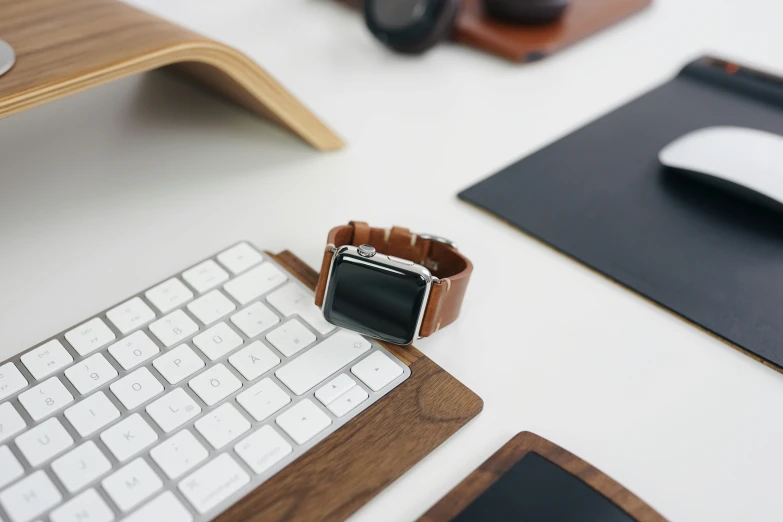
point(536, 490)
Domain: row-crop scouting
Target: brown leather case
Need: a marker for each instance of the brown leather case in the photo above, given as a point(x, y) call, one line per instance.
point(530, 43)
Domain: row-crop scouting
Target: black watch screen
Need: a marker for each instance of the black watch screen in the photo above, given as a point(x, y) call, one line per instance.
point(374, 299)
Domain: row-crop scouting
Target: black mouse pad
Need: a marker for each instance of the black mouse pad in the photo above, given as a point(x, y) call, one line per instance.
point(537, 490)
point(601, 196)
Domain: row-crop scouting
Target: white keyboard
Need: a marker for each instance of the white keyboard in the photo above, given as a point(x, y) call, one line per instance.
point(181, 400)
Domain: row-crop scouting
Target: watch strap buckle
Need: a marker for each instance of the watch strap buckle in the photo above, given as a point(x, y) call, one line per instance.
point(438, 239)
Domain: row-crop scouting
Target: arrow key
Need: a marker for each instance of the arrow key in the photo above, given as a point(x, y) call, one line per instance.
point(377, 370)
point(303, 421)
point(348, 401)
point(334, 388)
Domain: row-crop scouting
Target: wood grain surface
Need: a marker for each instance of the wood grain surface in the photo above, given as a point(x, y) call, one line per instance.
point(350, 467)
point(527, 43)
point(66, 46)
point(512, 452)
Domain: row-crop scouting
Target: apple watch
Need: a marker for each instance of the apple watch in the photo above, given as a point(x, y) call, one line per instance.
point(391, 284)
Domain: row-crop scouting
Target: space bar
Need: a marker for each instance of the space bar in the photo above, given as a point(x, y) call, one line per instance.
point(321, 361)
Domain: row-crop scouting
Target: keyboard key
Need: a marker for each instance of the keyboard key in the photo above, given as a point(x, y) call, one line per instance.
point(179, 363)
point(169, 294)
point(334, 388)
point(165, 507)
point(91, 373)
point(92, 414)
point(263, 449)
point(173, 328)
point(215, 384)
point(179, 454)
point(377, 370)
point(45, 399)
point(292, 299)
point(81, 466)
point(205, 275)
point(137, 388)
point(87, 507)
point(254, 360)
point(90, 336)
point(211, 307)
point(303, 421)
point(255, 282)
point(348, 401)
point(263, 399)
point(290, 338)
point(47, 359)
point(128, 437)
point(222, 425)
point(11, 381)
point(217, 341)
point(255, 319)
point(134, 350)
point(132, 484)
point(321, 361)
point(173, 410)
point(43, 442)
point(30, 497)
point(213, 483)
point(130, 315)
point(10, 468)
point(240, 257)
point(11, 422)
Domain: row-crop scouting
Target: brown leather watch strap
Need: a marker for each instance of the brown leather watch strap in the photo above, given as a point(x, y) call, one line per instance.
point(444, 261)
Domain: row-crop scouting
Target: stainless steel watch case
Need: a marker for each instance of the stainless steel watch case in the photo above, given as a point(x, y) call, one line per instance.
point(381, 259)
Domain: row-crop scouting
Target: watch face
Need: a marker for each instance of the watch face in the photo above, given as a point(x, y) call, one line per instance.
point(375, 298)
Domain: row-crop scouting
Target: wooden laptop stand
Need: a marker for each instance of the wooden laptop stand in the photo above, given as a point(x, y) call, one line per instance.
point(66, 46)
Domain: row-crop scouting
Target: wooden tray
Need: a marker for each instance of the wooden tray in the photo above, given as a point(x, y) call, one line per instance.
point(529, 43)
point(521, 43)
point(355, 463)
point(66, 46)
point(512, 452)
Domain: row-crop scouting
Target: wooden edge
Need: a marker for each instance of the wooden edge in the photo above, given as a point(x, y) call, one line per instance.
point(688, 321)
point(512, 452)
point(248, 82)
point(481, 31)
point(149, 42)
point(347, 469)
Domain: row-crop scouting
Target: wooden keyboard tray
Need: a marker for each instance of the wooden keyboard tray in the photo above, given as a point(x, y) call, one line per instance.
point(348, 468)
point(66, 46)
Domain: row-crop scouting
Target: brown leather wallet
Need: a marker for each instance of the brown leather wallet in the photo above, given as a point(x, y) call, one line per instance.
point(451, 269)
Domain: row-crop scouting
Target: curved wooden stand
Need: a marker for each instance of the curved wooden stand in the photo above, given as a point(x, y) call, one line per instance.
point(66, 46)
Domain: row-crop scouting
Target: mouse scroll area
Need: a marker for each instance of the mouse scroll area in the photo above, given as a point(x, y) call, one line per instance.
point(748, 162)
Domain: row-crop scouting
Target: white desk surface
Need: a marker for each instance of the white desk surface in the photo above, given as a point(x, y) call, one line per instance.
point(111, 190)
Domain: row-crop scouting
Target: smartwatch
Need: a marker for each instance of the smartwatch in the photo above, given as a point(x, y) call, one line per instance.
point(391, 284)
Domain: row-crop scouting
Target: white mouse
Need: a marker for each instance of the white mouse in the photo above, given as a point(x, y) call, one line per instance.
point(747, 161)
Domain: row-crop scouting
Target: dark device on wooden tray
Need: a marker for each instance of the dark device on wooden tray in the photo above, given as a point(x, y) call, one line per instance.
point(532, 480)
